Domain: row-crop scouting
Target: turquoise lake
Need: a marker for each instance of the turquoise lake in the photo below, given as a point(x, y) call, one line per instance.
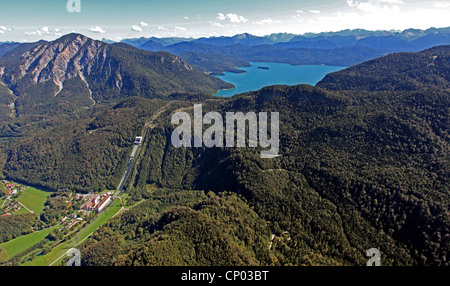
point(256, 78)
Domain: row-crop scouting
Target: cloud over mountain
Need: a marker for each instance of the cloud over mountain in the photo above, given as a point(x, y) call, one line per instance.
point(97, 29)
point(233, 18)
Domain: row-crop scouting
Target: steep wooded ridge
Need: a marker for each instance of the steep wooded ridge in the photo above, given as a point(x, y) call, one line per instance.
point(45, 84)
point(360, 167)
point(108, 72)
point(429, 69)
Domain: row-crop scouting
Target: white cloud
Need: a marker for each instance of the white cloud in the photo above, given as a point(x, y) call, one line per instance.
point(97, 29)
point(180, 28)
point(375, 6)
point(371, 15)
point(444, 4)
point(267, 21)
point(186, 17)
point(136, 28)
point(221, 17)
point(161, 28)
point(314, 11)
point(300, 11)
point(216, 24)
point(44, 31)
point(392, 1)
point(41, 31)
point(352, 3)
point(5, 29)
point(233, 18)
point(236, 18)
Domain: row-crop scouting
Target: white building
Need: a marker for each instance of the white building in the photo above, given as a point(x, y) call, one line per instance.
point(103, 204)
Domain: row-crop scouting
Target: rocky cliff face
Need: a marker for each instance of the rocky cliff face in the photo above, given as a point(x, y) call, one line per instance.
point(106, 69)
point(68, 57)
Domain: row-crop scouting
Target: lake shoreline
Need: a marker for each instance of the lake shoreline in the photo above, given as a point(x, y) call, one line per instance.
point(262, 74)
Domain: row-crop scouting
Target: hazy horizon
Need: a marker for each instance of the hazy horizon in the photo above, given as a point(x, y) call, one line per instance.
point(29, 21)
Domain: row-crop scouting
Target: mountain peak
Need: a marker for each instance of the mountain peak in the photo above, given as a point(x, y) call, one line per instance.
point(243, 36)
point(58, 60)
point(106, 70)
point(72, 37)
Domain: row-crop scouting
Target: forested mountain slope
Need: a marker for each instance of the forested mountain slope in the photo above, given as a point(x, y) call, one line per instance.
point(359, 168)
point(37, 74)
point(429, 69)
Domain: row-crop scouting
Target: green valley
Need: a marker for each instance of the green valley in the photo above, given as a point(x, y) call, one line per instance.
point(364, 163)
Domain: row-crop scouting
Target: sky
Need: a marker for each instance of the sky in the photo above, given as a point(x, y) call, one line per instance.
point(33, 20)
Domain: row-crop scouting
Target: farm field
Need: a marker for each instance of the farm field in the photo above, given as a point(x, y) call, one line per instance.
point(33, 199)
point(56, 255)
point(13, 247)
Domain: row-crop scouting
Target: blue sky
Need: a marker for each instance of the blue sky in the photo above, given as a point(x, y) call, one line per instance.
point(31, 20)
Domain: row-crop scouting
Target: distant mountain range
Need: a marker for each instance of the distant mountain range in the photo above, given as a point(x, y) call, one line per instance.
point(344, 48)
point(6, 47)
point(216, 55)
point(415, 38)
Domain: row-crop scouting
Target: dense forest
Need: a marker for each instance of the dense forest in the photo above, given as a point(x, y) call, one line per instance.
point(14, 226)
point(429, 69)
point(360, 167)
point(214, 64)
point(341, 56)
point(347, 179)
point(82, 155)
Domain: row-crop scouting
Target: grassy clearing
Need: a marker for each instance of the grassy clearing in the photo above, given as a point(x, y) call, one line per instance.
point(34, 199)
point(3, 189)
point(3, 254)
point(101, 219)
point(57, 253)
point(22, 243)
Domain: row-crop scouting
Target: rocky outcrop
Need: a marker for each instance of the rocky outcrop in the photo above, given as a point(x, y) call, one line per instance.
point(109, 71)
point(63, 59)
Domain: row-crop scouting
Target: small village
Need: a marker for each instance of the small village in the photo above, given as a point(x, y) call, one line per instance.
point(92, 203)
point(10, 206)
point(78, 206)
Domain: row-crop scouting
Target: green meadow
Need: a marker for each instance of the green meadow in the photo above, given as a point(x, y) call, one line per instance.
point(56, 255)
point(33, 199)
point(15, 246)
